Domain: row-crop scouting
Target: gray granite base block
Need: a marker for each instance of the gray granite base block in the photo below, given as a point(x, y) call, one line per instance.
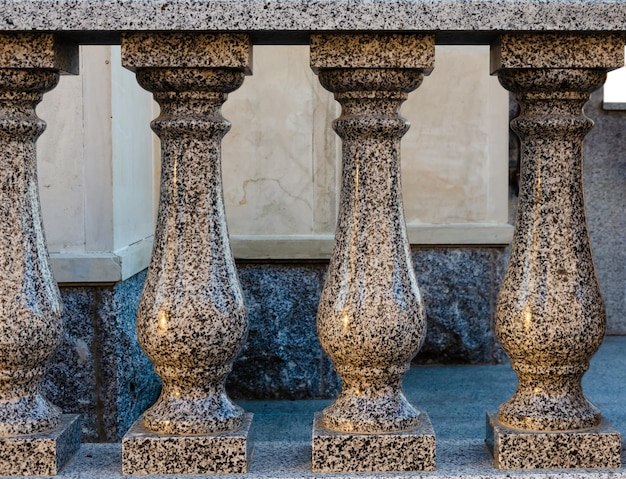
point(412, 450)
point(147, 453)
point(42, 454)
point(587, 449)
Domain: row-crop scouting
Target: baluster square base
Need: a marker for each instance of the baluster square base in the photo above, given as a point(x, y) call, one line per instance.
point(42, 454)
point(412, 450)
point(588, 449)
point(145, 452)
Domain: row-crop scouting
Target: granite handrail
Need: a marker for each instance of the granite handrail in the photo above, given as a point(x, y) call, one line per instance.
point(292, 21)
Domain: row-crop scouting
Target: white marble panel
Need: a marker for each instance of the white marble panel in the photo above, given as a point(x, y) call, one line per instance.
point(132, 157)
point(99, 164)
point(455, 156)
point(282, 159)
point(60, 165)
point(96, 176)
point(268, 165)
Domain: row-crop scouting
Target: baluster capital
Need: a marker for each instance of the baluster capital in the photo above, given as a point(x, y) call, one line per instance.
point(187, 50)
point(569, 50)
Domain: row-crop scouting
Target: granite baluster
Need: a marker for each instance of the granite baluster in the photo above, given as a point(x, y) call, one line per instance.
point(192, 320)
point(35, 438)
point(371, 318)
point(550, 316)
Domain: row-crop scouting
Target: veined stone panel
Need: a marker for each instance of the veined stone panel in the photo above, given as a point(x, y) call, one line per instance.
point(95, 158)
point(281, 158)
point(60, 165)
point(455, 155)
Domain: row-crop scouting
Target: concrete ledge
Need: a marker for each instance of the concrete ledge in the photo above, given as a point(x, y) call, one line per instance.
point(111, 267)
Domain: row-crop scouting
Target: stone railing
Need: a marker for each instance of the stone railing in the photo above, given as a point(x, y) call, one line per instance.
point(192, 319)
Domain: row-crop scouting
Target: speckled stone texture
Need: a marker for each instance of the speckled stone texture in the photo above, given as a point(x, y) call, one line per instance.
point(371, 319)
point(550, 315)
point(586, 449)
point(42, 454)
point(410, 450)
point(35, 51)
point(191, 320)
point(460, 20)
point(99, 370)
point(147, 453)
point(30, 304)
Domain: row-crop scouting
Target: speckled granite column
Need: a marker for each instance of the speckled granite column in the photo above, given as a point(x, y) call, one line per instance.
point(371, 318)
point(192, 320)
point(550, 313)
point(35, 438)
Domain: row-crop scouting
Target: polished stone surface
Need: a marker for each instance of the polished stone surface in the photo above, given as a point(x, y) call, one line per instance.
point(599, 447)
point(550, 315)
point(30, 304)
point(373, 51)
point(272, 15)
point(557, 50)
point(38, 51)
point(459, 287)
point(282, 358)
point(191, 320)
point(100, 371)
point(292, 460)
point(283, 428)
point(42, 454)
point(186, 50)
point(144, 452)
point(371, 318)
point(409, 450)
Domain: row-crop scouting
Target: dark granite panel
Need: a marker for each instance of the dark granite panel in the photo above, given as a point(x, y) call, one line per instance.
point(282, 357)
point(99, 371)
point(459, 287)
point(71, 380)
point(128, 382)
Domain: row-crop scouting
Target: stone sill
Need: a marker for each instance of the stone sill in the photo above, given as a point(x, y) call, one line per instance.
point(102, 267)
point(292, 460)
point(71, 268)
point(321, 246)
point(291, 21)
